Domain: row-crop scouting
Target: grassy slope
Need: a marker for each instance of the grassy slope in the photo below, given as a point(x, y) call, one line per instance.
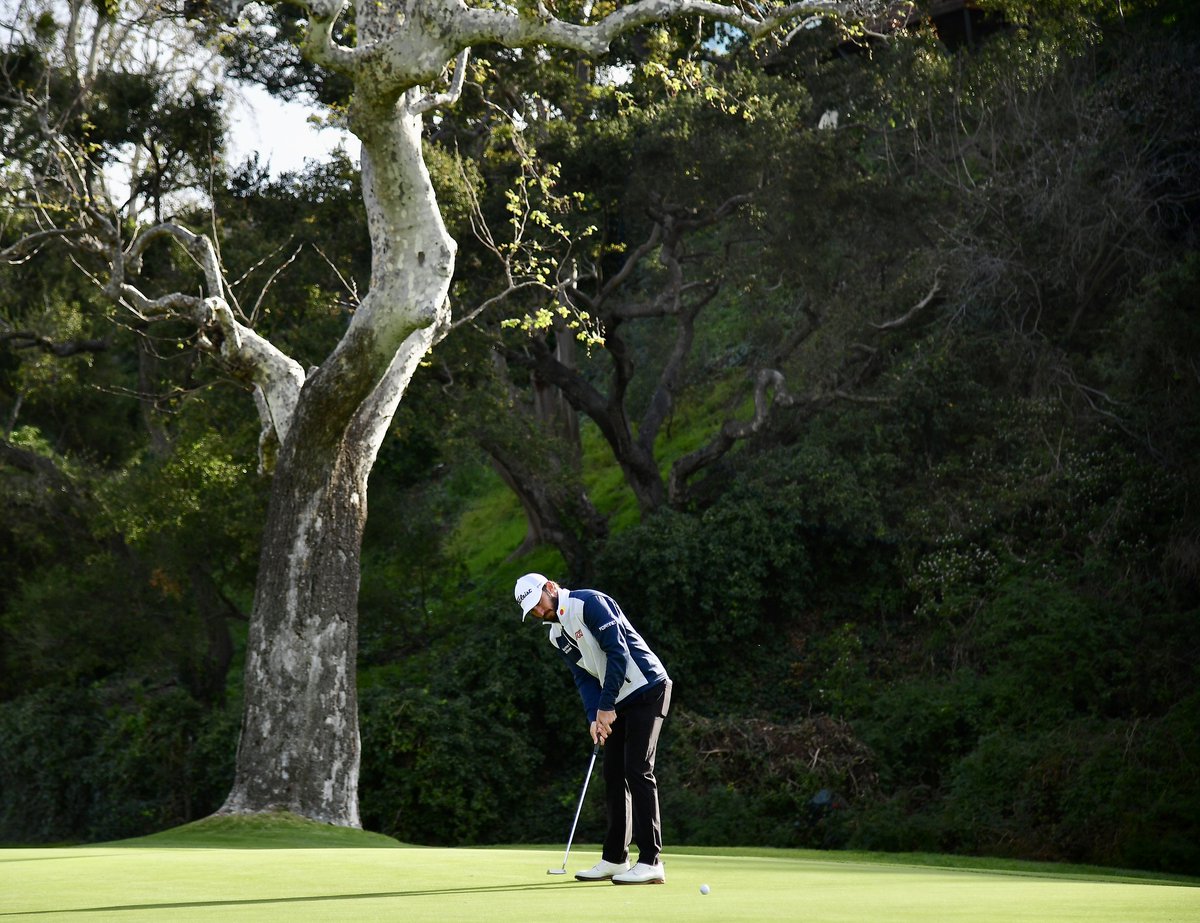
point(281, 830)
point(285, 868)
point(493, 524)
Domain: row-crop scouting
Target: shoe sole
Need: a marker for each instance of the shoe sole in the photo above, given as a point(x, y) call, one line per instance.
point(648, 881)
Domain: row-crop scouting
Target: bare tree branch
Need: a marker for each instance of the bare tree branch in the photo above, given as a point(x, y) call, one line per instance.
point(278, 271)
point(319, 43)
point(732, 431)
point(386, 51)
point(619, 278)
point(914, 310)
point(28, 339)
point(29, 245)
point(89, 227)
point(450, 97)
point(479, 26)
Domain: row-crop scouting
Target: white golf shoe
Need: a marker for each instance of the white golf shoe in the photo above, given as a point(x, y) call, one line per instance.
point(642, 874)
point(602, 871)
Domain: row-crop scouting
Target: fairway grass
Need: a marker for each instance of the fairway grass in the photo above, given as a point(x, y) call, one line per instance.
point(135, 881)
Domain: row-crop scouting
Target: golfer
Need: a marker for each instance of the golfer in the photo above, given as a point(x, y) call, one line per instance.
point(626, 694)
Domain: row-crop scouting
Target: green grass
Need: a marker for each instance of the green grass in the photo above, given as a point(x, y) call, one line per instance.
point(283, 868)
point(490, 528)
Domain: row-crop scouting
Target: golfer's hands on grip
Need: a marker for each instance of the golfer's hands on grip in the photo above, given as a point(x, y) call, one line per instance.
point(602, 726)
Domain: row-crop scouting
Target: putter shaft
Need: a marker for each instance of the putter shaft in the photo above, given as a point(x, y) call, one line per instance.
point(587, 778)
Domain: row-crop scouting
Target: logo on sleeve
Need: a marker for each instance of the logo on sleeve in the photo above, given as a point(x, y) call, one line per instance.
point(607, 626)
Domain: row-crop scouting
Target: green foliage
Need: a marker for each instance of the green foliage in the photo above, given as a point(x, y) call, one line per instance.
point(197, 490)
point(411, 571)
point(105, 762)
point(463, 733)
point(264, 47)
point(737, 780)
point(298, 249)
point(431, 773)
point(1021, 637)
point(726, 587)
point(1150, 364)
point(442, 767)
point(184, 130)
point(127, 593)
point(919, 728)
point(1081, 788)
point(46, 739)
point(163, 758)
point(77, 621)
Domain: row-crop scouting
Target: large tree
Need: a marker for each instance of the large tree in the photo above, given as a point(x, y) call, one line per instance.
point(299, 745)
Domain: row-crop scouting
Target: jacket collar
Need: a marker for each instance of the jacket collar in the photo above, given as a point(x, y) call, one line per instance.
point(563, 595)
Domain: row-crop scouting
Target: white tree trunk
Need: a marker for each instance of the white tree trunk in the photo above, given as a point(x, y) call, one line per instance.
point(299, 747)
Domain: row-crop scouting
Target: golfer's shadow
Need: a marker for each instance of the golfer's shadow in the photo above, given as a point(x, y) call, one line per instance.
point(374, 895)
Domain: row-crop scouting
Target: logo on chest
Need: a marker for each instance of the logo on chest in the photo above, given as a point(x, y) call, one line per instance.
point(579, 634)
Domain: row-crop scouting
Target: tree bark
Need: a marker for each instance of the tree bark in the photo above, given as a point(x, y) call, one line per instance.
point(299, 746)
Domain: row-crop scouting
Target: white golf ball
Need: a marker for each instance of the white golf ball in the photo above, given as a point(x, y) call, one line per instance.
point(704, 889)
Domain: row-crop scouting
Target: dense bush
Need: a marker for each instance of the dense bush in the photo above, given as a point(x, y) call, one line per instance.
point(469, 742)
point(737, 780)
point(110, 761)
point(750, 579)
point(441, 770)
point(47, 739)
point(1086, 790)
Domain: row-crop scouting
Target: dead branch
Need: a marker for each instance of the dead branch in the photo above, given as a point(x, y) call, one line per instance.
point(28, 339)
point(916, 309)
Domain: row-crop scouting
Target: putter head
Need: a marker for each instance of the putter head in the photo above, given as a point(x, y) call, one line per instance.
point(556, 871)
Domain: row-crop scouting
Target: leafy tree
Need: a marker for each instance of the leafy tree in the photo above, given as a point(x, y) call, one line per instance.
point(687, 235)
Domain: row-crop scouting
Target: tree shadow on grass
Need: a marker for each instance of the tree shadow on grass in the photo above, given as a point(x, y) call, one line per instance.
point(375, 895)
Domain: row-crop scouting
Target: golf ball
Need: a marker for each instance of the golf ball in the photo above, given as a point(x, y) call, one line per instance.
point(704, 889)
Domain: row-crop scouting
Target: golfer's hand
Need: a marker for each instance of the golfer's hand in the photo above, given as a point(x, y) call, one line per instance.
point(602, 726)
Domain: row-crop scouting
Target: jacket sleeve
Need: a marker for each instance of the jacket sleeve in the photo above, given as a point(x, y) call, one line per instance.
point(603, 620)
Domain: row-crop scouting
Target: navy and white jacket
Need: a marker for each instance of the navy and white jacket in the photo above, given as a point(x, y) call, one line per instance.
point(608, 658)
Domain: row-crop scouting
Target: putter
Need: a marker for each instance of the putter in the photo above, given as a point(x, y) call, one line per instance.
point(571, 835)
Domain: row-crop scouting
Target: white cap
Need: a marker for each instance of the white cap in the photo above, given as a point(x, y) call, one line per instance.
point(529, 592)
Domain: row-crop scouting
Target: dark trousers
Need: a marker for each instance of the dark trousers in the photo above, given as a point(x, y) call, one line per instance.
point(631, 791)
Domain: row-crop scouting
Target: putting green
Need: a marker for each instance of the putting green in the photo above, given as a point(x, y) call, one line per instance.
point(152, 884)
